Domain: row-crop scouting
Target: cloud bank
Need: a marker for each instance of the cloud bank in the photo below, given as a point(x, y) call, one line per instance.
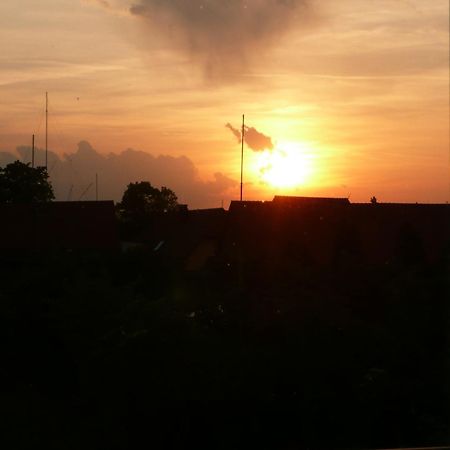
point(73, 175)
point(254, 139)
point(223, 35)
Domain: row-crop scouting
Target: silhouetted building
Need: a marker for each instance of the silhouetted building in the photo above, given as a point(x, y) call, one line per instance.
point(293, 202)
point(285, 201)
point(186, 240)
point(393, 231)
point(58, 226)
point(329, 230)
point(236, 205)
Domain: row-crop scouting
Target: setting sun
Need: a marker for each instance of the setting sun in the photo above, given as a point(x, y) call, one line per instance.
point(288, 165)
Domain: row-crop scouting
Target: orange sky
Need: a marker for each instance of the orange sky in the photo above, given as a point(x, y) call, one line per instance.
point(359, 88)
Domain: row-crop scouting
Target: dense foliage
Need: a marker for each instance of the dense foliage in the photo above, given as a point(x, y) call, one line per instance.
point(141, 204)
point(141, 199)
point(112, 352)
point(20, 183)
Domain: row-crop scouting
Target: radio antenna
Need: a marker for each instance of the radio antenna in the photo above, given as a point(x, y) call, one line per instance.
point(46, 130)
point(32, 153)
point(242, 152)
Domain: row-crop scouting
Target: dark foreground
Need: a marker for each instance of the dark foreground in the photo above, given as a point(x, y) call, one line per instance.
point(121, 351)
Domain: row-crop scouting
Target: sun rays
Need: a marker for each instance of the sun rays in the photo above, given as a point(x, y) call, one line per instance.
point(288, 165)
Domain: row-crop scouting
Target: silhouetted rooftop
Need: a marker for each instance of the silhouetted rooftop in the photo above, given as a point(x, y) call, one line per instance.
point(58, 225)
point(237, 205)
point(301, 201)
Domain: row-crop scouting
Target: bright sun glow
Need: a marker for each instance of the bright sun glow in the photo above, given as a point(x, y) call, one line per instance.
point(288, 165)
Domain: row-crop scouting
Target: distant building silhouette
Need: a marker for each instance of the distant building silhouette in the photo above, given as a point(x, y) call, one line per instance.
point(186, 239)
point(289, 201)
point(246, 205)
point(285, 201)
point(58, 226)
point(331, 228)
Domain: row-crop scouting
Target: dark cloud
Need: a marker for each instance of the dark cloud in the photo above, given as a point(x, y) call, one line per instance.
point(237, 133)
point(74, 174)
point(224, 35)
point(255, 140)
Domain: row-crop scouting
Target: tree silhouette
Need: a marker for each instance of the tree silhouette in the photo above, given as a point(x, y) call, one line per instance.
point(141, 200)
point(20, 183)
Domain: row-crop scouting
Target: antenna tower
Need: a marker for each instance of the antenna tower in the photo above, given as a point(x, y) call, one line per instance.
point(46, 130)
point(242, 152)
point(32, 153)
point(85, 192)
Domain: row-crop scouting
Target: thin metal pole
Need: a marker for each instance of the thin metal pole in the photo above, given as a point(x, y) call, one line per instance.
point(32, 153)
point(96, 187)
point(242, 152)
point(46, 130)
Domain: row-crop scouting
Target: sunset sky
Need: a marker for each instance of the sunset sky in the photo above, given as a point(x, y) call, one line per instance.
point(352, 96)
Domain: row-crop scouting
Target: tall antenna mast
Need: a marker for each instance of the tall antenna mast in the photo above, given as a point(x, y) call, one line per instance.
point(46, 130)
point(242, 152)
point(32, 153)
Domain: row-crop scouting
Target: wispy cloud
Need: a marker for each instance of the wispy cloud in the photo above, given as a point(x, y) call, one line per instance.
point(255, 140)
point(237, 133)
point(224, 36)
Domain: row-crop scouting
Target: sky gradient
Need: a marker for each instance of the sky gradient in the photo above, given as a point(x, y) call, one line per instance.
point(357, 90)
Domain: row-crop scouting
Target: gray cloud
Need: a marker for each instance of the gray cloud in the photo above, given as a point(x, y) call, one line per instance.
point(237, 133)
point(6, 158)
point(255, 140)
point(74, 174)
point(224, 35)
